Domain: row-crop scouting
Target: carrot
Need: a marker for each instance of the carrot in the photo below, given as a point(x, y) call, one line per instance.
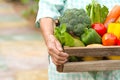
point(118, 20)
point(113, 15)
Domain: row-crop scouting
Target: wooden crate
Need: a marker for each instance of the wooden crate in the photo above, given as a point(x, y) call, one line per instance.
point(101, 65)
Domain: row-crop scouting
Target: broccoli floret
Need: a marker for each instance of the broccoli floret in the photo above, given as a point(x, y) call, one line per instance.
point(79, 29)
point(76, 20)
point(69, 28)
point(87, 21)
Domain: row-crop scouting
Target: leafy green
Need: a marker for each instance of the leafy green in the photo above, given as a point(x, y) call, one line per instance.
point(97, 12)
point(65, 38)
point(104, 10)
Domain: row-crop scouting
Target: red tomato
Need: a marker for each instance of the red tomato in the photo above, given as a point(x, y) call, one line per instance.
point(109, 39)
point(100, 28)
point(118, 43)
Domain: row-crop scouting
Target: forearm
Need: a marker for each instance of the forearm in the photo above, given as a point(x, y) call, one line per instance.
point(47, 27)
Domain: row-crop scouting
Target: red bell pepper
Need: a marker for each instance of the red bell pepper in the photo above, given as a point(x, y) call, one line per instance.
point(100, 28)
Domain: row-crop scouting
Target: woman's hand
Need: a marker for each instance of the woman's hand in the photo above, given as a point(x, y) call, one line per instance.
point(54, 47)
point(56, 51)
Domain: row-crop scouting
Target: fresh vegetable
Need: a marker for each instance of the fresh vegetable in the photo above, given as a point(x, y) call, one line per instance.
point(118, 43)
point(65, 38)
point(109, 39)
point(90, 36)
point(75, 59)
point(89, 58)
point(94, 45)
point(100, 28)
point(114, 57)
point(114, 28)
point(118, 20)
point(96, 12)
point(76, 20)
point(113, 15)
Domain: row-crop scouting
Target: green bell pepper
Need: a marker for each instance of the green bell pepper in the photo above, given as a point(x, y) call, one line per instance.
point(90, 36)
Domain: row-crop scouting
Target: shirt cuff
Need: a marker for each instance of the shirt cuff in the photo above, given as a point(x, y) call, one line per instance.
point(37, 23)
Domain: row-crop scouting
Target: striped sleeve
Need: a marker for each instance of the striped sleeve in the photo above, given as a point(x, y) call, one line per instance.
point(49, 8)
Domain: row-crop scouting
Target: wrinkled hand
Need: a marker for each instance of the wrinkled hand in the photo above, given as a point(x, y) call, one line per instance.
point(55, 50)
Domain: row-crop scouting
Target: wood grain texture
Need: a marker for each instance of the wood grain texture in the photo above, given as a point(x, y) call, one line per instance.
point(102, 65)
point(60, 68)
point(93, 51)
point(92, 66)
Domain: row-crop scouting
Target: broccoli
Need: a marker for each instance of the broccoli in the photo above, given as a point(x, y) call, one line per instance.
point(76, 20)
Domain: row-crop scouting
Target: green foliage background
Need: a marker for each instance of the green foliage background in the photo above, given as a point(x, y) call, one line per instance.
point(32, 7)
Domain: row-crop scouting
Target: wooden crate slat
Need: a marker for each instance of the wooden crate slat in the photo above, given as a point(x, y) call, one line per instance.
point(84, 66)
point(60, 68)
point(93, 51)
point(92, 66)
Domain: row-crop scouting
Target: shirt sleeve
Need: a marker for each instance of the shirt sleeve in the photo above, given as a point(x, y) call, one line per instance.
point(49, 8)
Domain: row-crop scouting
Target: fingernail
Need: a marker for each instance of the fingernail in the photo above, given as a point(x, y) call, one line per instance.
point(60, 49)
point(67, 55)
point(66, 60)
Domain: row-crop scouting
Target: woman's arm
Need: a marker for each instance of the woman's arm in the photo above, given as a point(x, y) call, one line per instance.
point(53, 45)
point(49, 10)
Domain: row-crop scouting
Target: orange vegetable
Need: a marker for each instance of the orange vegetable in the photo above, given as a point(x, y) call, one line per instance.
point(113, 15)
point(109, 39)
point(118, 20)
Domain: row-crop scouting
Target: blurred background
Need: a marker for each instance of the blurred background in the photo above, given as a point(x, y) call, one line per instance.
point(23, 54)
